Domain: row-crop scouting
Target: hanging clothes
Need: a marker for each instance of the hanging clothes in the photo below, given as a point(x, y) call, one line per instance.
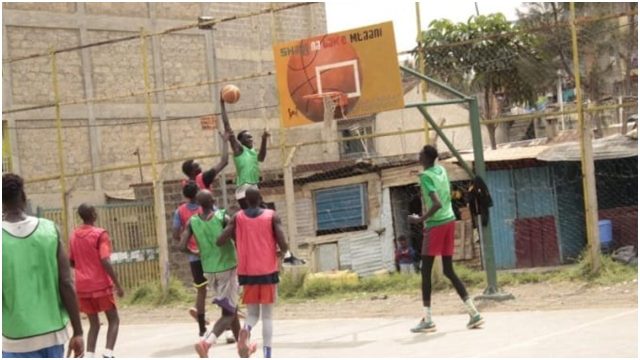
point(479, 200)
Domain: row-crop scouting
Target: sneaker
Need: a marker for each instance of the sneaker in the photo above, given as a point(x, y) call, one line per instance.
point(424, 326)
point(291, 259)
point(244, 348)
point(229, 337)
point(475, 321)
point(194, 314)
point(202, 348)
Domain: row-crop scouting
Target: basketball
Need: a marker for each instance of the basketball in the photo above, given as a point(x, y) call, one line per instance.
point(328, 63)
point(230, 94)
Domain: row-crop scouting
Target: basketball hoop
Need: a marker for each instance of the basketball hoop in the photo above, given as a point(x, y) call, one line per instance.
point(334, 103)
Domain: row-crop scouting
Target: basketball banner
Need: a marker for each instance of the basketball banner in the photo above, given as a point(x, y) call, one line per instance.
point(358, 68)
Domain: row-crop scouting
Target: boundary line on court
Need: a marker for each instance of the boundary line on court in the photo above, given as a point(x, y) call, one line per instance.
point(534, 340)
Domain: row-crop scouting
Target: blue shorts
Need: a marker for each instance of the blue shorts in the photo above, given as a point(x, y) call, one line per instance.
point(55, 351)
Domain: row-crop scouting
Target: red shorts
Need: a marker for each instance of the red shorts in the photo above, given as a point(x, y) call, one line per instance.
point(96, 305)
point(439, 240)
point(259, 294)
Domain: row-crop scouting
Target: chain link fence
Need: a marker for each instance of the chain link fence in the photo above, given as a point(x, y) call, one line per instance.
point(115, 108)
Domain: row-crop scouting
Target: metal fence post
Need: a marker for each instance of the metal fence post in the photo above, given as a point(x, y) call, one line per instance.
point(586, 155)
point(60, 145)
point(424, 85)
point(492, 292)
point(158, 193)
point(290, 199)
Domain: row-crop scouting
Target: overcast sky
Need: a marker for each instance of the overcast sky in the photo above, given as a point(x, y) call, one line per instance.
point(347, 14)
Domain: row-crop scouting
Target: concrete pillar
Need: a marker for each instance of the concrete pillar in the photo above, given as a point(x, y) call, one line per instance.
point(94, 136)
point(7, 102)
point(552, 128)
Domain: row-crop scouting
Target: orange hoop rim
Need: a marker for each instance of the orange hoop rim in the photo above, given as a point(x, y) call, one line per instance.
point(337, 96)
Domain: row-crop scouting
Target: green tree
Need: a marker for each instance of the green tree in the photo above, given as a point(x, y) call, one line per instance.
point(487, 54)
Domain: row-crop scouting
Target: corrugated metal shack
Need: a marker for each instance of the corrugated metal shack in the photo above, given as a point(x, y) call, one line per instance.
point(348, 213)
point(538, 213)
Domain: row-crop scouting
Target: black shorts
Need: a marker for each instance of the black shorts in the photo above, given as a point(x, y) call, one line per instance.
point(198, 274)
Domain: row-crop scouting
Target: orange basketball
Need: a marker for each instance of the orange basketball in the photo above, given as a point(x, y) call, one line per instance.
point(230, 94)
point(327, 63)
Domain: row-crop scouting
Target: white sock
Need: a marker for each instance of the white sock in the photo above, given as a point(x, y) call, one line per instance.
point(471, 308)
point(427, 313)
point(108, 353)
point(211, 338)
point(89, 354)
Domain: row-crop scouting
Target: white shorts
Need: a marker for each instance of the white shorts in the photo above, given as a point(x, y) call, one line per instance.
point(242, 189)
point(226, 288)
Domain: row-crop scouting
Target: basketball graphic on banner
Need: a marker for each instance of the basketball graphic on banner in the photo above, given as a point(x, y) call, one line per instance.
point(320, 72)
point(353, 73)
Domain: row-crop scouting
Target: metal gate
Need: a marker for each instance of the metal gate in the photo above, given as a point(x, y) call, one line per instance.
point(132, 231)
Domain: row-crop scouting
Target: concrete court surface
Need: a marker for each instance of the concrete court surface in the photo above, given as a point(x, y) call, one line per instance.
point(564, 333)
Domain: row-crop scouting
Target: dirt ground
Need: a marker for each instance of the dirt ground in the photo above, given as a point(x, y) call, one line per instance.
point(541, 296)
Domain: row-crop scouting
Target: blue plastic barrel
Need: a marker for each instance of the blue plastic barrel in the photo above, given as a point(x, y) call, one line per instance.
point(606, 234)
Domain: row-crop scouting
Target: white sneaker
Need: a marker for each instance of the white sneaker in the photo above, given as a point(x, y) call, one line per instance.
point(229, 337)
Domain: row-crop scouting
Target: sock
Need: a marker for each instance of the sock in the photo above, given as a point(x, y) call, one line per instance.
point(427, 313)
point(89, 354)
point(211, 338)
point(108, 353)
point(201, 324)
point(266, 350)
point(471, 308)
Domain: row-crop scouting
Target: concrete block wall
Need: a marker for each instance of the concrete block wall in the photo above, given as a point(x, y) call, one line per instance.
point(50, 7)
point(117, 68)
point(107, 132)
point(37, 145)
point(31, 79)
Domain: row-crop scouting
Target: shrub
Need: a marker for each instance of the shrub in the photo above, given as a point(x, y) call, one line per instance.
point(152, 294)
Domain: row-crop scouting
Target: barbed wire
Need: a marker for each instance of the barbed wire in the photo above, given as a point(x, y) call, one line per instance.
point(137, 122)
point(546, 28)
point(319, 142)
point(160, 33)
point(140, 93)
point(175, 87)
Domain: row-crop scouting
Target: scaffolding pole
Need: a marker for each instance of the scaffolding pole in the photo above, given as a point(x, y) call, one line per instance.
point(158, 193)
point(586, 156)
point(424, 85)
point(60, 146)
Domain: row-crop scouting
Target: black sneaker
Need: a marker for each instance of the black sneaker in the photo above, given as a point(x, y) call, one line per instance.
point(293, 260)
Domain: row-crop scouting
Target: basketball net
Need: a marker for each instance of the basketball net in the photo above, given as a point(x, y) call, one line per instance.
point(331, 102)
